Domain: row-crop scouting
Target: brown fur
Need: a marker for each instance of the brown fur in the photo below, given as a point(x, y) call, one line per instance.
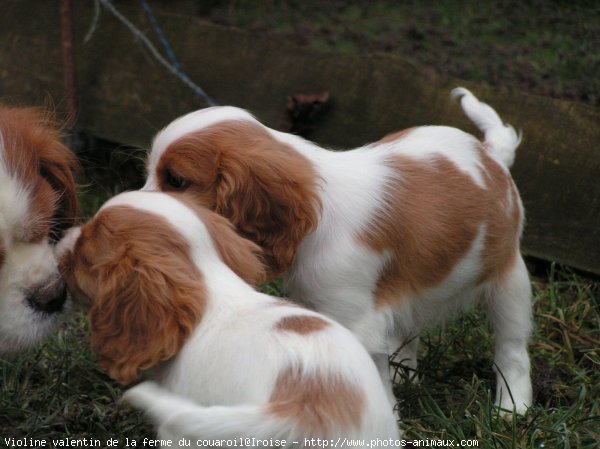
point(147, 296)
point(317, 403)
point(241, 255)
point(432, 219)
point(503, 223)
point(301, 324)
point(266, 189)
point(67, 267)
point(34, 153)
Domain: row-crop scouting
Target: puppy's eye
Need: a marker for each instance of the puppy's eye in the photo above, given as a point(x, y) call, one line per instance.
point(175, 182)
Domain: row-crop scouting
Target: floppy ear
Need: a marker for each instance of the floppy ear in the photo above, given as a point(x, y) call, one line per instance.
point(147, 306)
point(262, 185)
point(241, 255)
point(64, 253)
point(58, 165)
point(267, 190)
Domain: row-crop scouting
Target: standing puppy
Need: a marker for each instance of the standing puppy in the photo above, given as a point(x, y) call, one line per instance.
point(388, 239)
point(165, 283)
point(37, 202)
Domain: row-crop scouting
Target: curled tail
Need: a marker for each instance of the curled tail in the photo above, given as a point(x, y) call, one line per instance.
point(178, 418)
point(501, 138)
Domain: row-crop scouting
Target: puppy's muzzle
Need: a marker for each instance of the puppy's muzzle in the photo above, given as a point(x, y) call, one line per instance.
point(48, 298)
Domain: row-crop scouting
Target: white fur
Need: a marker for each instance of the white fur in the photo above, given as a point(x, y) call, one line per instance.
point(337, 275)
point(511, 318)
point(219, 384)
point(27, 267)
point(502, 138)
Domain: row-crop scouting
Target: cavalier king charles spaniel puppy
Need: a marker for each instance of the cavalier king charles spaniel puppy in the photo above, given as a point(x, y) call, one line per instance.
point(168, 284)
point(37, 202)
point(388, 239)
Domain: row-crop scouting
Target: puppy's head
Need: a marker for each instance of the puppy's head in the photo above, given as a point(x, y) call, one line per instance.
point(234, 166)
point(37, 202)
point(136, 267)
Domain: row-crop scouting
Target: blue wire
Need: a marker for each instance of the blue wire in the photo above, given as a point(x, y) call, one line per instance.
point(171, 53)
point(161, 36)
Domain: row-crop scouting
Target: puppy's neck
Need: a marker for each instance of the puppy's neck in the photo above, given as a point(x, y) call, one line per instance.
point(226, 290)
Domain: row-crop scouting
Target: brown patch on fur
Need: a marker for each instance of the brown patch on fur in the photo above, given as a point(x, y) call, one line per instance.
point(241, 255)
point(34, 153)
point(392, 137)
point(66, 267)
point(432, 219)
point(146, 294)
point(263, 186)
point(317, 403)
point(301, 324)
point(503, 221)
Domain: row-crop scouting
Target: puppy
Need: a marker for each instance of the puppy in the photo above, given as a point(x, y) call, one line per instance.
point(167, 286)
point(388, 239)
point(37, 202)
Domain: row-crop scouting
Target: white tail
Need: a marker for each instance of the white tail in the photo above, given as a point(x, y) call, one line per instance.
point(501, 138)
point(178, 418)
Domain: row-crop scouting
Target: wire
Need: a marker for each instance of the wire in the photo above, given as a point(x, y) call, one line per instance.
point(174, 69)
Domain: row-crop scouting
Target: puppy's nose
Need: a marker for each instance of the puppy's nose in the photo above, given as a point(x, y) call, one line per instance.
point(48, 298)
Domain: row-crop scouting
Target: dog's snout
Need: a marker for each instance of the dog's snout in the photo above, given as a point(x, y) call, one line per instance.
point(49, 298)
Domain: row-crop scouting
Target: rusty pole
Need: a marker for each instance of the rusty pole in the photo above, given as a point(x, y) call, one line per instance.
point(69, 79)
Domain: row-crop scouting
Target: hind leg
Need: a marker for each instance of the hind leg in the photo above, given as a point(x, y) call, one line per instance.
point(509, 308)
point(374, 330)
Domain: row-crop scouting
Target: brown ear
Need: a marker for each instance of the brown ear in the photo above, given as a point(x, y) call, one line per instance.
point(67, 264)
point(150, 298)
point(263, 186)
point(268, 191)
point(38, 154)
point(58, 165)
point(241, 255)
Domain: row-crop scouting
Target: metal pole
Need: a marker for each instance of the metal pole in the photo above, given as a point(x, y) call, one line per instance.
point(69, 79)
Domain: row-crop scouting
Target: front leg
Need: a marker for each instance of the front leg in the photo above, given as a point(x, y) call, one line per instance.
point(383, 366)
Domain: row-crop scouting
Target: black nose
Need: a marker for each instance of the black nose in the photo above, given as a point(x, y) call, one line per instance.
point(49, 298)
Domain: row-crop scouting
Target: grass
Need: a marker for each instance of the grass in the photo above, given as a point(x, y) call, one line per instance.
point(57, 391)
point(455, 399)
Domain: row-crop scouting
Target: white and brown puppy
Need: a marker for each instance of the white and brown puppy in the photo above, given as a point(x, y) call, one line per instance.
point(165, 283)
point(388, 239)
point(37, 202)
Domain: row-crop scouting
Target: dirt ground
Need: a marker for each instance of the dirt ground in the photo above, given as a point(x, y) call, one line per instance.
point(546, 47)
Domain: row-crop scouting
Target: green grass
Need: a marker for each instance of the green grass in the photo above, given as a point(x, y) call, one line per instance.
point(455, 398)
point(57, 390)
